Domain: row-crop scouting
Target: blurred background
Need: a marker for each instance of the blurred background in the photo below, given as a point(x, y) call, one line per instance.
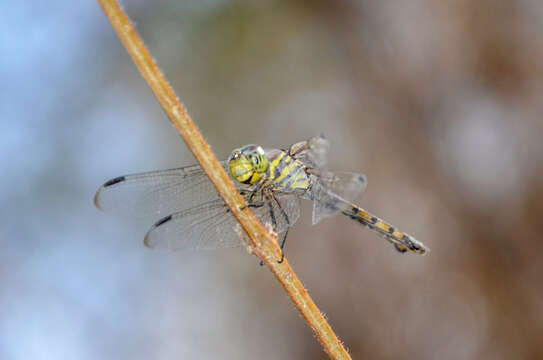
point(438, 103)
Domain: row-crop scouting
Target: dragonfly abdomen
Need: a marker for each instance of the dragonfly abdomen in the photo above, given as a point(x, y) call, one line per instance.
point(402, 241)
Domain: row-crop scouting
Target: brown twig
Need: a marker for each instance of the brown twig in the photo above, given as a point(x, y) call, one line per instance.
point(261, 243)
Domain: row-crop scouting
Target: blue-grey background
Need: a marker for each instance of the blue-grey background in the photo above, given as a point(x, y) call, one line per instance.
point(438, 103)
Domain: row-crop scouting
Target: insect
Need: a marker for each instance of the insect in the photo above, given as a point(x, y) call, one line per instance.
point(271, 181)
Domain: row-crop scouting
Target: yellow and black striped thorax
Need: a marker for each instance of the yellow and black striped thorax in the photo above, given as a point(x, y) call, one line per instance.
point(285, 173)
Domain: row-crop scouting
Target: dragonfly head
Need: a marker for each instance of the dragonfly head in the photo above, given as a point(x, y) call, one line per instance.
point(248, 164)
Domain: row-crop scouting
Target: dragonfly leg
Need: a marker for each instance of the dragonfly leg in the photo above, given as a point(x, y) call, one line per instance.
point(251, 203)
point(272, 216)
point(256, 204)
point(274, 222)
point(282, 246)
point(283, 212)
point(252, 196)
point(251, 199)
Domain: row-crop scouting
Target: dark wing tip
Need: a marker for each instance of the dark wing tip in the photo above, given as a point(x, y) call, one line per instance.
point(147, 239)
point(114, 181)
point(162, 221)
point(106, 185)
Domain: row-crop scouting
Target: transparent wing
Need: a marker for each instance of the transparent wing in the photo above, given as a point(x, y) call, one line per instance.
point(313, 152)
point(211, 225)
point(333, 190)
point(204, 227)
point(156, 193)
point(281, 214)
point(345, 184)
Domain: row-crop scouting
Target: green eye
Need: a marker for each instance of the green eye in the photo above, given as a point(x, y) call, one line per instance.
point(259, 161)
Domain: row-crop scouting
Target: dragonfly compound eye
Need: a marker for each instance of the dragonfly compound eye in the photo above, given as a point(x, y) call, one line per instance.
point(240, 167)
point(260, 162)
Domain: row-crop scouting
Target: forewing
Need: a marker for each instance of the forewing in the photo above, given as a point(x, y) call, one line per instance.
point(156, 193)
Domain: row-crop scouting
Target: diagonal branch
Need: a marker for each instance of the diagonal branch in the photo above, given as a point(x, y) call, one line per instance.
point(261, 243)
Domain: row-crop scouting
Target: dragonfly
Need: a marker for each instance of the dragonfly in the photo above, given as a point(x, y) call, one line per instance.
point(272, 181)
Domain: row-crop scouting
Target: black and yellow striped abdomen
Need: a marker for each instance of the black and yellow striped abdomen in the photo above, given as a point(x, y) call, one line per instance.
point(403, 242)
